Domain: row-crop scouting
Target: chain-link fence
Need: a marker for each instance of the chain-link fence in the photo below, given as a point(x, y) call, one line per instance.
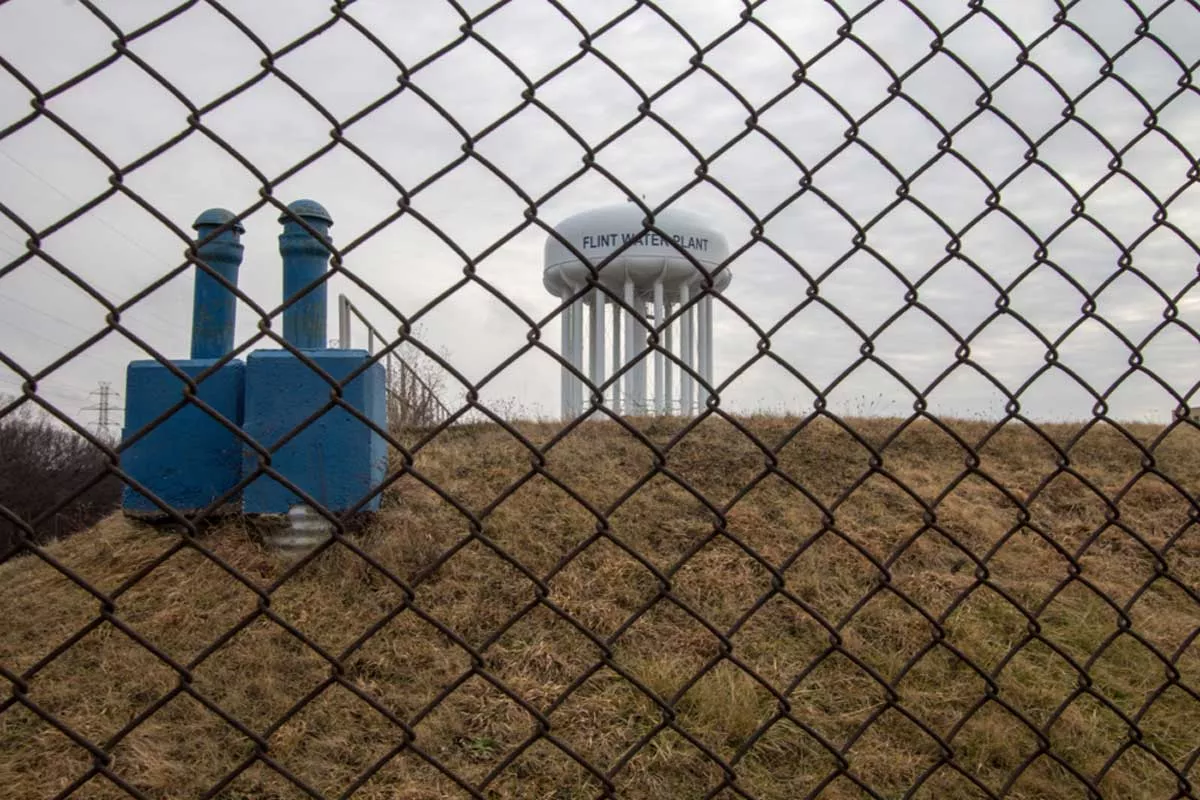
point(971, 573)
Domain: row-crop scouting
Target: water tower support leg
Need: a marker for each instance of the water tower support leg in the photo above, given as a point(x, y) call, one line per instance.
point(598, 338)
point(631, 401)
point(686, 390)
point(643, 369)
point(702, 345)
point(707, 366)
point(616, 357)
point(577, 352)
point(669, 395)
point(659, 383)
point(567, 350)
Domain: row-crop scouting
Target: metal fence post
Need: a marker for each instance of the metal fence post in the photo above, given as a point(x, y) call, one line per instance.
point(343, 322)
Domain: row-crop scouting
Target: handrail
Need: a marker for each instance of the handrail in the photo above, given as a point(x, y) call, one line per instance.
point(408, 375)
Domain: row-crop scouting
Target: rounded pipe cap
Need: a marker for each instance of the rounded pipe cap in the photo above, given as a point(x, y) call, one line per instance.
point(308, 209)
point(216, 217)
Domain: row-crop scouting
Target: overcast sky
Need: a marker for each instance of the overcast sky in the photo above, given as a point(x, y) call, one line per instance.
point(118, 248)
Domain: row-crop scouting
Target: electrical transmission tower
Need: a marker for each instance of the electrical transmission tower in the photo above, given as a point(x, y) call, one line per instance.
point(103, 409)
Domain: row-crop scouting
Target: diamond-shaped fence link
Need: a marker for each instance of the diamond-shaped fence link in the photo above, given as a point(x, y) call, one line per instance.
point(823, 602)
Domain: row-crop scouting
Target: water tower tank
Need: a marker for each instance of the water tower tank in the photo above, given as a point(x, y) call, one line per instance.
point(653, 269)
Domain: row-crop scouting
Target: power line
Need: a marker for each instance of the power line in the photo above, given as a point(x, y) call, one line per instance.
point(46, 314)
point(165, 327)
point(173, 332)
point(96, 216)
point(49, 384)
point(69, 347)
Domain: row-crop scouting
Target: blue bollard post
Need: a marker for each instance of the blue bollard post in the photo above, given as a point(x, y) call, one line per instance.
point(214, 306)
point(304, 261)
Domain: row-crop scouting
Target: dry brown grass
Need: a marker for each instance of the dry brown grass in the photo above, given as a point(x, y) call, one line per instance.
point(782, 706)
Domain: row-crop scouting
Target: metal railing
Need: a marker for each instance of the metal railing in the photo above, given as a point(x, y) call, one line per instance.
point(412, 402)
point(877, 619)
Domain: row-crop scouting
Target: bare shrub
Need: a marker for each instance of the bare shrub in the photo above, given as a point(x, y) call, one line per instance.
point(416, 388)
point(51, 478)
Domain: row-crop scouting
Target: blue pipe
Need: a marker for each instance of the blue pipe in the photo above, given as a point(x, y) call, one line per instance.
point(305, 258)
point(214, 307)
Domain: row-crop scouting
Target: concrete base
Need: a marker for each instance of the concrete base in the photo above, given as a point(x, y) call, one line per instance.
point(336, 458)
point(189, 459)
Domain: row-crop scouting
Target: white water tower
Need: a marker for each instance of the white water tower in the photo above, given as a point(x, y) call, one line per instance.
point(654, 274)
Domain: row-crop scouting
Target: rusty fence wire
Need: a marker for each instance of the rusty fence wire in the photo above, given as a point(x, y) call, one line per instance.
point(1166, 116)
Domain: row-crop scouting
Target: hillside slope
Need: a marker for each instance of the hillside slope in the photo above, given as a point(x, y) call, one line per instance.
point(1015, 627)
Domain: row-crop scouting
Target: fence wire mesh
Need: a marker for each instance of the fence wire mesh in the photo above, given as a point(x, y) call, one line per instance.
point(804, 605)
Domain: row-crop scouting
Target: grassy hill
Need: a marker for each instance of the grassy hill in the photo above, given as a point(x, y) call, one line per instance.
point(1016, 626)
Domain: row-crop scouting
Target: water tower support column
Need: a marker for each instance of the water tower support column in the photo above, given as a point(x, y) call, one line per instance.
point(647, 307)
point(708, 341)
point(598, 338)
point(686, 349)
point(703, 345)
point(631, 404)
point(566, 350)
point(659, 382)
point(639, 352)
point(669, 396)
point(577, 352)
point(616, 357)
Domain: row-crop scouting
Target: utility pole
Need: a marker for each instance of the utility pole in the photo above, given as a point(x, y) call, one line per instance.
point(103, 409)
